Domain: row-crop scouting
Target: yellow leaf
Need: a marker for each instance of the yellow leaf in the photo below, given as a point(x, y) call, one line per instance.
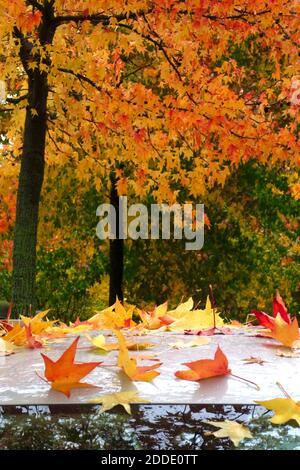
point(64, 329)
point(285, 333)
point(99, 342)
point(31, 320)
point(129, 365)
point(182, 309)
point(235, 431)
point(121, 398)
point(198, 319)
point(115, 316)
point(285, 409)
point(151, 320)
point(6, 348)
point(190, 344)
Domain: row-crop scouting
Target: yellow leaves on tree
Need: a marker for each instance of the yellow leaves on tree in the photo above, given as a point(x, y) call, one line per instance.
point(120, 103)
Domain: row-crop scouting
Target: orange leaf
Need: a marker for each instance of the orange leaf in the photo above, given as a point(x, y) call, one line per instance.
point(205, 368)
point(64, 374)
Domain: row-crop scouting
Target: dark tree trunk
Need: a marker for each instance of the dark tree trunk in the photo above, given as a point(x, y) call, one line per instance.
point(29, 191)
point(116, 253)
point(31, 172)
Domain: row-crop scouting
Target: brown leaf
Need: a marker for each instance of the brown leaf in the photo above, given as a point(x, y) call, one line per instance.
point(254, 360)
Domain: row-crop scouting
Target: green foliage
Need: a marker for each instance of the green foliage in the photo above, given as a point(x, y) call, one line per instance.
point(5, 284)
point(63, 286)
point(250, 249)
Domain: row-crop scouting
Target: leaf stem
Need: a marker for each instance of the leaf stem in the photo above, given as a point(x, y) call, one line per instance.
point(246, 380)
point(42, 378)
point(283, 390)
point(212, 303)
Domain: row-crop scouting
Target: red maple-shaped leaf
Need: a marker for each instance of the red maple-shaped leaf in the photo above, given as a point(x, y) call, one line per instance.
point(32, 343)
point(279, 308)
point(64, 374)
point(264, 319)
point(205, 368)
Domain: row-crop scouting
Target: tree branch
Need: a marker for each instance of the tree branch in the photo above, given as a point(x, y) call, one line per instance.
point(80, 77)
point(97, 18)
point(16, 100)
point(35, 4)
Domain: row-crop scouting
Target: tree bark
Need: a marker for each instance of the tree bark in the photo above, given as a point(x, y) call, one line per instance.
point(116, 253)
point(32, 171)
point(30, 184)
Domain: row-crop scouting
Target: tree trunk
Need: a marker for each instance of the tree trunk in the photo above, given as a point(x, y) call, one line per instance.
point(32, 166)
point(116, 253)
point(30, 184)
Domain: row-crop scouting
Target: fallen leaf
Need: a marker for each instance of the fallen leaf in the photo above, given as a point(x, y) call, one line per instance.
point(236, 432)
point(205, 368)
point(287, 354)
point(279, 310)
point(32, 342)
point(124, 399)
point(236, 324)
point(285, 409)
point(182, 309)
point(65, 330)
point(16, 336)
point(79, 322)
point(64, 374)
point(100, 343)
point(132, 346)
point(152, 320)
point(115, 316)
point(189, 344)
point(209, 332)
point(144, 357)
point(198, 319)
point(5, 326)
point(36, 319)
point(285, 333)
point(254, 360)
point(129, 365)
point(6, 349)
point(19, 334)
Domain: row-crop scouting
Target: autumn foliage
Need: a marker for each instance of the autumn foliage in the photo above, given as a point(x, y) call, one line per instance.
point(170, 96)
